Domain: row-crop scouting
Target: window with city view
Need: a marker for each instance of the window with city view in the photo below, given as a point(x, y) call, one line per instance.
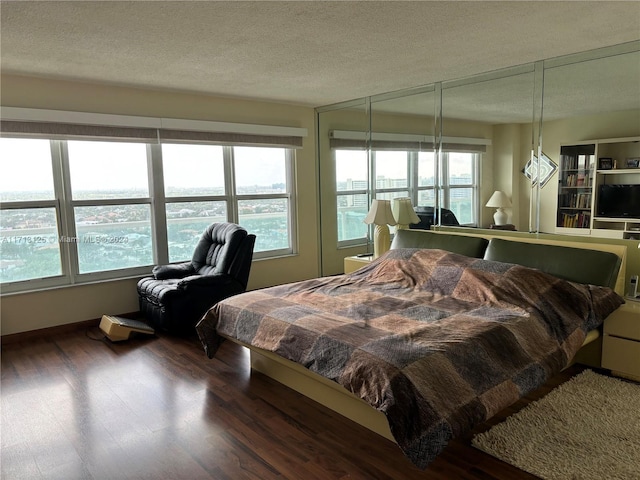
point(74, 210)
point(460, 190)
point(29, 231)
point(263, 204)
point(352, 186)
point(107, 181)
point(401, 174)
point(194, 186)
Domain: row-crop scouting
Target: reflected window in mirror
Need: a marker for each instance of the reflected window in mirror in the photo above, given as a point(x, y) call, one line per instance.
point(352, 187)
point(402, 173)
point(458, 184)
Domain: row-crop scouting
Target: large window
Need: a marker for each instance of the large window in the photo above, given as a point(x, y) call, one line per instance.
point(386, 174)
point(75, 211)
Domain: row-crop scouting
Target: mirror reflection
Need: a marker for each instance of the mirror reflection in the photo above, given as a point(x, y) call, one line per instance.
point(452, 145)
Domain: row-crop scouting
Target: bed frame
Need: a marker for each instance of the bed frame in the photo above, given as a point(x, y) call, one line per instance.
point(337, 398)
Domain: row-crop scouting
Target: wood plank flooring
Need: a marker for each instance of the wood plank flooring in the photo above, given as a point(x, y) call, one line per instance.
point(76, 406)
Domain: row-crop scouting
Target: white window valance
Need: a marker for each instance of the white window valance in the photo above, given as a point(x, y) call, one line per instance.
point(347, 139)
point(58, 124)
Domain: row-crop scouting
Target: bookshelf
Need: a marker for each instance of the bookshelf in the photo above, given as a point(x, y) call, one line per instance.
point(581, 172)
point(575, 186)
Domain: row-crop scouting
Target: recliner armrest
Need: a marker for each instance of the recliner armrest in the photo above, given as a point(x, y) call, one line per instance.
point(205, 280)
point(178, 270)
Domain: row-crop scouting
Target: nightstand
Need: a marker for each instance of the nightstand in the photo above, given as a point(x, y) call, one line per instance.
point(621, 341)
point(351, 264)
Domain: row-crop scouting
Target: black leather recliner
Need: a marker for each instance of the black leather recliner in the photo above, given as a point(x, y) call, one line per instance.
point(429, 216)
point(178, 295)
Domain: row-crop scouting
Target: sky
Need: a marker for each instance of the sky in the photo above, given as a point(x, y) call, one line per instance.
point(25, 166)
point(99, 166)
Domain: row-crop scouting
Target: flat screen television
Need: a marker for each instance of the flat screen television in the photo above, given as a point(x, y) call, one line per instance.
point(619, 201)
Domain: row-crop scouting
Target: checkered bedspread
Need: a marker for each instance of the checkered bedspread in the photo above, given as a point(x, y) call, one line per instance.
point(438, 342)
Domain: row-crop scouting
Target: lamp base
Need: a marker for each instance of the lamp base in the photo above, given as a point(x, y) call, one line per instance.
point(381, 240)
point(500, 217)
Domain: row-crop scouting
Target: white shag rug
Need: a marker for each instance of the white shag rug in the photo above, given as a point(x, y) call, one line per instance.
point(586, 428)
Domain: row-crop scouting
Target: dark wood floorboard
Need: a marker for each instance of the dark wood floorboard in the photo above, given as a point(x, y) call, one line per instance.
point(76, 406)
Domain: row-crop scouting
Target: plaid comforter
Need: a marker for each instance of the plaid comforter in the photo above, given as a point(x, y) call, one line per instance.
point(438, 342)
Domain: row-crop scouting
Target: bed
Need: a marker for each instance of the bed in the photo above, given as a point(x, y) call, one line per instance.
point(437, 335)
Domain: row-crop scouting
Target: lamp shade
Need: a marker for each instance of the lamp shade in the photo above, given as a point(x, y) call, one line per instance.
point(403, 212)
point(499, 199)
point(380, 213)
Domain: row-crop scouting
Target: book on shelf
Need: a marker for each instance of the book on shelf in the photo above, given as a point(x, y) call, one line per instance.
point(577, 162)
point(569, 162)
point(570, 180)
point(574, 220)
point(577, 180)
point(582, 200)
point(574, 200)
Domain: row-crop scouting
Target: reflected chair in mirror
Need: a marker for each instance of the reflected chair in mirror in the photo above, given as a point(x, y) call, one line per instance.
point(178, 295)
point(429, 216)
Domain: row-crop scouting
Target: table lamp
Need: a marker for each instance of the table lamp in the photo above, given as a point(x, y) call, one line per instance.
point(381, 216)
point(500, 201)
point(403, 212)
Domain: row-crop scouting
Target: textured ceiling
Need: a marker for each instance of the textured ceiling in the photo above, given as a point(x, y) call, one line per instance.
point(308, 52)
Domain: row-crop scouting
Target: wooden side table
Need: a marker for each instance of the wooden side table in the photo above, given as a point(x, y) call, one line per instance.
point(351, 264)
point(621, 341)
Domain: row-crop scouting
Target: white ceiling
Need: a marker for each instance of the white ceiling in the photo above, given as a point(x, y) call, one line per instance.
point(307, 52)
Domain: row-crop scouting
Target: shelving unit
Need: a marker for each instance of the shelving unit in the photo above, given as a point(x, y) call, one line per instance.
point(618, 150)
point(575, 186)
point(579, 180)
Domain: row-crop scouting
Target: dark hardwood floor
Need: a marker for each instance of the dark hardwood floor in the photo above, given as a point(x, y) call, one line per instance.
point(74, 407)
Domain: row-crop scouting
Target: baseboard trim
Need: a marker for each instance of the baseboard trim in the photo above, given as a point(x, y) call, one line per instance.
point(56, 330)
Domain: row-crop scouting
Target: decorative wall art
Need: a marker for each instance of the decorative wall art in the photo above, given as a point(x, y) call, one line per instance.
point(547, 168)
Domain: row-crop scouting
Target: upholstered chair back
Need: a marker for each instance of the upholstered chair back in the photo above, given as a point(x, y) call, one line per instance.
point(216, 250)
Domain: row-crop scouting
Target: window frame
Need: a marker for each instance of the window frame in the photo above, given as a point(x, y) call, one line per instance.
point(288, 195)
point(69, 206)
point(157, 186)
point(65, 206)
point(448, 187)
